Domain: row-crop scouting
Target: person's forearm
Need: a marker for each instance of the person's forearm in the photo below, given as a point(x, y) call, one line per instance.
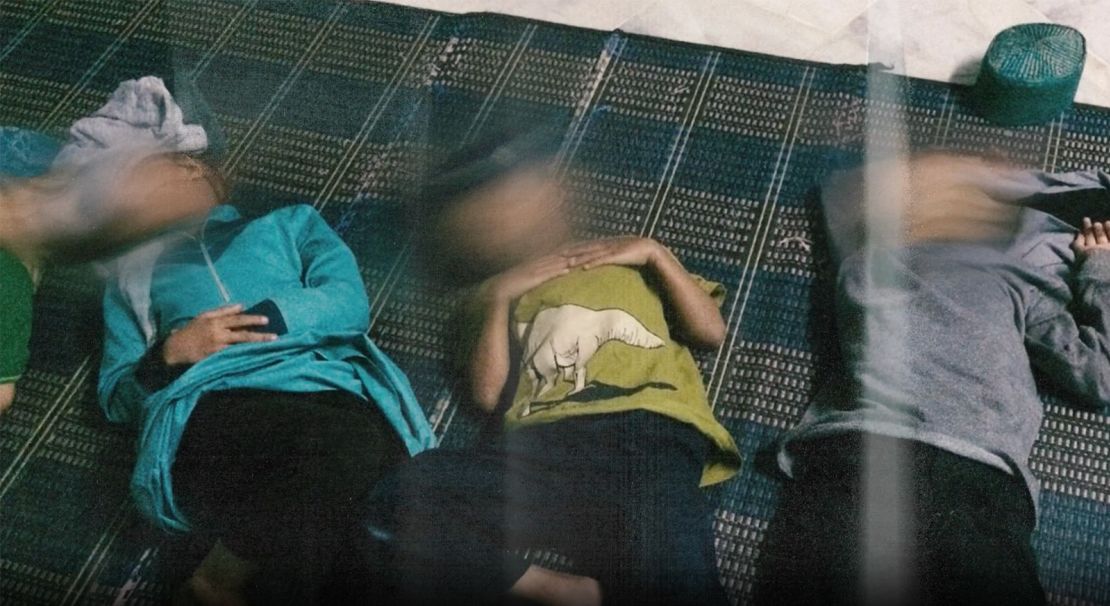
point(489, 362)
point(1076, 355)
point(1092, 287)
point(696, 314)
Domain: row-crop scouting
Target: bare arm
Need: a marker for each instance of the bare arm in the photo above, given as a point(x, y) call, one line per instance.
point(488, 366)
point(697, 317)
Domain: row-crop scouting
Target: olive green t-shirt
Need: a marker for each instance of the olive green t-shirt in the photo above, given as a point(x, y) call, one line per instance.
point(597, 341)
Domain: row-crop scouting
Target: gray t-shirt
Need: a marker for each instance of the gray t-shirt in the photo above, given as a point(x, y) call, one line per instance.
point(940, 342)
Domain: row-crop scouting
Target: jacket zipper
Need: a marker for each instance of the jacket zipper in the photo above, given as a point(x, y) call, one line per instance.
point(224, 294)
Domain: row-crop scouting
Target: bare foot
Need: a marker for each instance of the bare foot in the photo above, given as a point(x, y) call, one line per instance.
point(199, 591)
point(557, 588)
point(219, 580)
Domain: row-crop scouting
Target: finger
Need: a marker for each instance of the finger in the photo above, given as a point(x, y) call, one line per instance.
point(1079, 243)
point(247, 336)
point(581, 248)
point(555, 259)
point(553, 267)
point(585, 256)
point(547, 273)
point(226, 310)
point(547, 263)
point(1100, 234)
point(1086, 225)
point(579, 260)
point(243, 321)
point(594, 260)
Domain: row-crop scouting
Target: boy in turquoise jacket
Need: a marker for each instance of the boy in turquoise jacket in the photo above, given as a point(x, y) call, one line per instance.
point(264, 411)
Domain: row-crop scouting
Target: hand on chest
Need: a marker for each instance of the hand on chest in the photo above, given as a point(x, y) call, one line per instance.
point(244, 266)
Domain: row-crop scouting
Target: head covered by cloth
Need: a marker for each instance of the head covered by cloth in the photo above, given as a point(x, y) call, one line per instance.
point(141, 120)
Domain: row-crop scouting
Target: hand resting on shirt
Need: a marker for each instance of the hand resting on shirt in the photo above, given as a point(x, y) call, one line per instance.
point(213, 331)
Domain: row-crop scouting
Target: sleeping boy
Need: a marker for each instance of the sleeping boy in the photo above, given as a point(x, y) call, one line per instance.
point(911, 477)
point(608, 435)
point(236, 346)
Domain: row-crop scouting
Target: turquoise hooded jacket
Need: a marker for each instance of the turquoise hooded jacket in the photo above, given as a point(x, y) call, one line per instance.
point(293, 260)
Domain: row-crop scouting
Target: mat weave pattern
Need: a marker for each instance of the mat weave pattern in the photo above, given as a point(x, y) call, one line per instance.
point(713, 152)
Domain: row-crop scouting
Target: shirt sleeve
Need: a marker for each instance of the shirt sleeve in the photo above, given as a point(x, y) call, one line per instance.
point(1016, 184)
point(119, 392)
point(715, 290)
point(332, 297)
point(1070, 344)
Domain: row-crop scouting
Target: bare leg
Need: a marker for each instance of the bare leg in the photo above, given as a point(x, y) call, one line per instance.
point(556, 588)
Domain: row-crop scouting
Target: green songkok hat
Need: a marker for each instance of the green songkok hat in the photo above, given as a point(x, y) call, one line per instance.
point(1030, 74)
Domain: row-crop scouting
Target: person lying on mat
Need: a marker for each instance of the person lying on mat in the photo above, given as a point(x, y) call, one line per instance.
point(265, 413)
point(911, 480)
point(608, 431)
point(87, 199)
point(237, 347)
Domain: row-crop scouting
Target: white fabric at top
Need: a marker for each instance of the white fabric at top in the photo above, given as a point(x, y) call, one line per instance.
point(140, 115)
point(140, 118)
point(941, 39)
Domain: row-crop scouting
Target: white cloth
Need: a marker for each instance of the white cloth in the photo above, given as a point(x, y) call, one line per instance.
point(140, 119)
point(140, 116)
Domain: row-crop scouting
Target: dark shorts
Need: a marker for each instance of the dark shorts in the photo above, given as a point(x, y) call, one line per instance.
point(949, 530)
point(617, 493)
point(280, 479)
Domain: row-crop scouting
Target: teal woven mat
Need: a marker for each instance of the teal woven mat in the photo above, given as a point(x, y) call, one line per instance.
point(713, 152)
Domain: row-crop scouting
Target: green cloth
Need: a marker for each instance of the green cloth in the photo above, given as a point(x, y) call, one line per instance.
point(23, 153)
point(16, 291)
point(597, 341)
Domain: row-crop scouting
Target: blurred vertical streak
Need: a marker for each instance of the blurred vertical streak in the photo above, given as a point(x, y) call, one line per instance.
point(887, 509)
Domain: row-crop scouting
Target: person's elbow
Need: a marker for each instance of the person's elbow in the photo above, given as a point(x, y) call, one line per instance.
point(485, 400)
point(357, 316)
point(709, 334)
point(716, 334)
point(485, 395)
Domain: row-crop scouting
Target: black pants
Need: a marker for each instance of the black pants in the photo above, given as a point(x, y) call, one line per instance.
point(280, 479)
point(618, 494)
point(966, 540)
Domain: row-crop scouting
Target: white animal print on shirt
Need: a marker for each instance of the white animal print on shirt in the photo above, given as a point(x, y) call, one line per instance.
point(561, 340)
